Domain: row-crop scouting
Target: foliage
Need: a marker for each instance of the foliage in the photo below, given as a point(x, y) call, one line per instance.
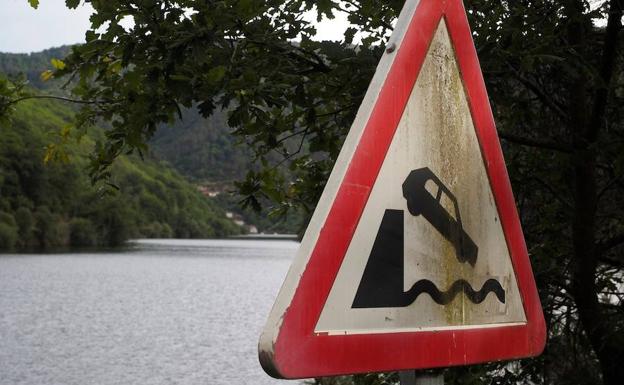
point(555, 80)
point(220, 54)
point(203, 149)
point(275, 221)
point(83, 233)
point(54, 205)
point(8, 231)
point(10, 90)
point(556, 83)
point(32, 65)
point(20, 72)
point(360, 379)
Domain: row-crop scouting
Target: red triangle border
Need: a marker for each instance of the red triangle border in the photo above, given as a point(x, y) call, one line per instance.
point(298, 352)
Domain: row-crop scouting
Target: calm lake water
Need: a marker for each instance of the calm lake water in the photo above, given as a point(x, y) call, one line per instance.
point(162, 312)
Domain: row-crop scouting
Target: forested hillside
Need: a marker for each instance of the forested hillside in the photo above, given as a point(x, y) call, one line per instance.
point(205, 151)
point(32, 65)
point(153, 200)
point(202, 149)
point(55, 205)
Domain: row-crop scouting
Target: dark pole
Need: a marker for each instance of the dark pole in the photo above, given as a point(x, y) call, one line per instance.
point(411, 377)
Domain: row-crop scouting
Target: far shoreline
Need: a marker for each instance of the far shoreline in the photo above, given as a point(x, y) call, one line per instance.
point(285, 237)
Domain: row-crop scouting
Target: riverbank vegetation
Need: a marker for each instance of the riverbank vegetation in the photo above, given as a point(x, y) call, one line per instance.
point(53, 205)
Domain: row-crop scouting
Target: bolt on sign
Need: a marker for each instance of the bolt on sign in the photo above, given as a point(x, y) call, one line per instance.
point(414, 257)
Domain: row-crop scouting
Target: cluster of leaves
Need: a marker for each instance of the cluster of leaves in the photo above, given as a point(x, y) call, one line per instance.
point(30, 67)
point(291, 102)
point(10, 91)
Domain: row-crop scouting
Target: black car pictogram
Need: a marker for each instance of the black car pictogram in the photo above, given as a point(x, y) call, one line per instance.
point(421, 202)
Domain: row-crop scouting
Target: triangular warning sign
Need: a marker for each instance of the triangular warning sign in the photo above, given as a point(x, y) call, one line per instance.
point(414, 257)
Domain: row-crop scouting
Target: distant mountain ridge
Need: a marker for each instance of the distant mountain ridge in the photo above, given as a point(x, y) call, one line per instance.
point(201, 149)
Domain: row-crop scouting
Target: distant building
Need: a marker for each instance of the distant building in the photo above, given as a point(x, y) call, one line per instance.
point(208, 191)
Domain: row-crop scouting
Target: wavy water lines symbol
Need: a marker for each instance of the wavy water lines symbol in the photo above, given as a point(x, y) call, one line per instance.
point(459, 286)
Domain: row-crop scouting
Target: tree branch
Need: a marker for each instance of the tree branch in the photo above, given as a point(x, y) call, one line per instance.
point(535, 89)
point(612, 262)
point(609, 55)
point(77, 101)
point(338, 7)
point(317, 64)
point(610, 243)
point(553, 192)
point(543, 144)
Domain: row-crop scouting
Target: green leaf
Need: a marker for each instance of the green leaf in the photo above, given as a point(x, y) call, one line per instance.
point(71, 3)
point(349, 35)
point(34, 3)
point(115, 67)
point(90, 36)
point(325, 8)
point(216, 74)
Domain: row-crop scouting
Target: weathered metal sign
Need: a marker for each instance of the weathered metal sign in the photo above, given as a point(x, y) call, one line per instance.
point(414, 257)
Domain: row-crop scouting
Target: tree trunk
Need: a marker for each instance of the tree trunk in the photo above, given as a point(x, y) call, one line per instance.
point(585, 126)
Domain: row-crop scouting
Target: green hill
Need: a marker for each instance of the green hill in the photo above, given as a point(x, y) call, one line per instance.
point(202, 150)
point(54, 205)
point(31, 65)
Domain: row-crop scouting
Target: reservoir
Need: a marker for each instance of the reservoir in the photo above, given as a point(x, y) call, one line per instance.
point(158, 312)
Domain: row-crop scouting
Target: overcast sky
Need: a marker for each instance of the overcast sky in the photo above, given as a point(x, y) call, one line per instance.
point(24, 29)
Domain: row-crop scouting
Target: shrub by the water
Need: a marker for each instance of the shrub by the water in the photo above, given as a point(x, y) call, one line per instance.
point(26, 226)
point(8, 236)
point(82, 232)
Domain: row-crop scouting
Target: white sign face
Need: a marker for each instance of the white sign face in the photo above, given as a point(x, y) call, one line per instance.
point(429, 252)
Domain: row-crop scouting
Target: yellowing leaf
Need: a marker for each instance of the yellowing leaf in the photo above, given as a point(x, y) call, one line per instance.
point(47, 75)
point(55, 153)
point(115, 67)
point(58, 64)
point(34, 3)
point(49, 153)
point(66, 131)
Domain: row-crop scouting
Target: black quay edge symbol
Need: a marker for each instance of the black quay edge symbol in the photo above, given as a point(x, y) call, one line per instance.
point(382, 281)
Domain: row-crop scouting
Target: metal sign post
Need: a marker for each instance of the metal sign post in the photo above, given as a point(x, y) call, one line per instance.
point(411, 377)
